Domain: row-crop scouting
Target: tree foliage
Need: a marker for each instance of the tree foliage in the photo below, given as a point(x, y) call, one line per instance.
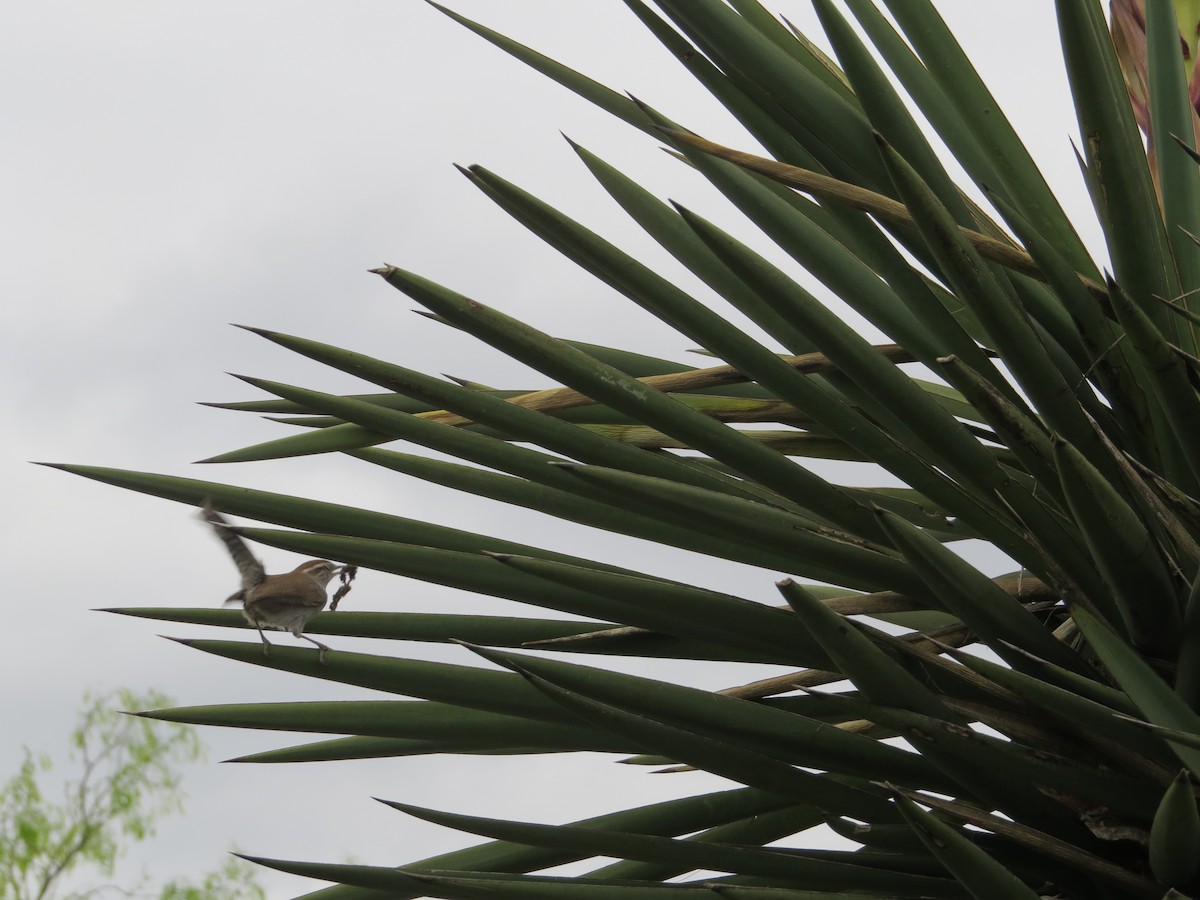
point(126, 780)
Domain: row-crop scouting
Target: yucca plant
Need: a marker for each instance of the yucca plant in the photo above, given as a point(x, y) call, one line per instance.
point(995, 737)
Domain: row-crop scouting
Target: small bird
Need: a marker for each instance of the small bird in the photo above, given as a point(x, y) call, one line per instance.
point(284, 602)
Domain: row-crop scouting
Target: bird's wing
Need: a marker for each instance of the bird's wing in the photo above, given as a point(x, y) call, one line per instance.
point(290, 588)
point(272, 605)
point(251, 569)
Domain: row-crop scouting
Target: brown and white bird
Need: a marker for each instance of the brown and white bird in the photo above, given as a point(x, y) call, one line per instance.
point(283, 602)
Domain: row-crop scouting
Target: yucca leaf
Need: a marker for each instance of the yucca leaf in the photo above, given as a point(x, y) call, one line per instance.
point(1084, 686)
point(361, 748)
point(475, 688)
point(796, 45)
point(609, 100)
point(768, 729)
point(639, 365)
point(821, 553)
point(666, 227)
point(1168, 381)
point(882, 838)
point(919, 84)
point(1175, 835)
point(296, 512)
point(621, 271)
point(1010, 777)
point(883, 207)
point(758, 831)
point(1157, 702)
point(916, 508)
point(1026, 352)
point(1124, 553)
point(303, 422)
point(1095, 346)
point(983, 877)
point(416, 720)
point(890, 117)
point(717, 380)
point(755, 63)
point(1187, 738)
point(880, 678)
point(993, 774)
point(1007, 157)
point(1023, 435)
point(681, 311)
point(1044, 845)
point(918, 319)
point(390, 400)
point(758, 119)
point(1187, 676)
point(1116, 159)
point(1171, 118)
point(703, 751)
point(650, 406)
point(727, 891)
point(883, 106)
point(326, 440)
point(355, 876)
point(786, 443)
point(551, 489)
point(815, 874)
point(864, 436)
point(660, 526)
point(671, 817)
point(975, 599)
point(458, 886)
point(1081, 715)
point(680, 609)
point(525, 424)
point(845, 250)
point(889, 389)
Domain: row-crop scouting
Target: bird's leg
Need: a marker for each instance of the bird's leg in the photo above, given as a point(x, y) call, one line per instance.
point(266, 643)
point(321, 655)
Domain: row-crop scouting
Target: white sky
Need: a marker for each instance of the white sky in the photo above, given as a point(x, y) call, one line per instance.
point(171, 168)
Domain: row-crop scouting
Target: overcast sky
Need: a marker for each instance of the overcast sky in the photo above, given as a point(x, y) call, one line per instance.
point(171, 168)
